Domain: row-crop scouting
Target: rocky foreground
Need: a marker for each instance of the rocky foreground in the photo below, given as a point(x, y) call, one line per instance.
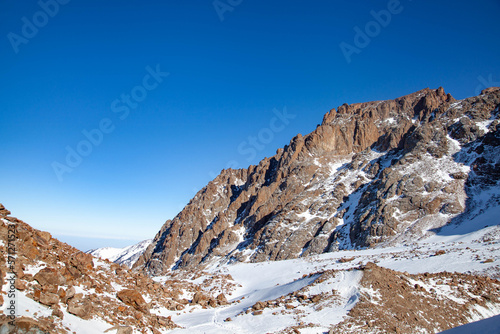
point(73, 285)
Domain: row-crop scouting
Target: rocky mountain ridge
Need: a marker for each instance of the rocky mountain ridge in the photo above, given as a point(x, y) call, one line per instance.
point(371, 174)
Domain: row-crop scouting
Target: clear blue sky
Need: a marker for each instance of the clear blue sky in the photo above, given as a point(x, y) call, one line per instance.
point(71, 70)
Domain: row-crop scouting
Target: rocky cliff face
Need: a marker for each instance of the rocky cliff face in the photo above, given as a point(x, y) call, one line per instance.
point(374, 173)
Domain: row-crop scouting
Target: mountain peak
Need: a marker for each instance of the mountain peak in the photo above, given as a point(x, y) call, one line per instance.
point(372, 173)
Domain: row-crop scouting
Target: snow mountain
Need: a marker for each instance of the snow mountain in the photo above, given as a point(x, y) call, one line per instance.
point(127, 255)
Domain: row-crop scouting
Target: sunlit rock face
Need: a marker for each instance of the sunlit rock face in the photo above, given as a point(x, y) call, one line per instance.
point(371, 174)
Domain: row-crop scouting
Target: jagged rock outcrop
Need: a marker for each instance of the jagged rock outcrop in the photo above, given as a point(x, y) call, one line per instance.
point(371, 173)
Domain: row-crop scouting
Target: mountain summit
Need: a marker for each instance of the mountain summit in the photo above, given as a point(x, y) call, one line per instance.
point(372, 174)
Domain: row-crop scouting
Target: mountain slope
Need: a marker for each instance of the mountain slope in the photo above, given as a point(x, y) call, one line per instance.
point(56, 288)
point(127, 255)
point(376, 173)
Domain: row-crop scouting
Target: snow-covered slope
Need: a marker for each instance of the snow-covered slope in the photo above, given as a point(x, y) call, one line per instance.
point(320, 293)
point(127, 255)
point(278, 283)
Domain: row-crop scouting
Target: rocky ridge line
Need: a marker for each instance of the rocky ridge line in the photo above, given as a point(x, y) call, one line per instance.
point(372, 173)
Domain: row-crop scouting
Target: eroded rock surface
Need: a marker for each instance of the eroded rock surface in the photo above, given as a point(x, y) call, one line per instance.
point(372, 173)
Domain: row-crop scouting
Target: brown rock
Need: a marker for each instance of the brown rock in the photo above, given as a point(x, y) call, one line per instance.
point(221, 299)
point(20, 285)
point(49, 276)
point(408, 135)
point(79, 264)
point(70, 293)
point(24, 325)
point(56, 312)
point(61, 293)
point(48, 298)
point(315, 298)
point(36, 294)
point(120, 330)
point(134, 299)
point(81, 307)
point(46, 236)
point(258, 306)
point(200, 298)
point(125, 330)
point(3, 211)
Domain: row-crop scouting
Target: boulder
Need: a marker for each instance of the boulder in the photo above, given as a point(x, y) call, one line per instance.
point(134, 299)
point(221, 299)
point(49, 276)
point(80, 307)
point(49, 298)
point(200, 298)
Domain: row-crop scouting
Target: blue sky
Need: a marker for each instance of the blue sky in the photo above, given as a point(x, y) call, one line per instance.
point(243, 78)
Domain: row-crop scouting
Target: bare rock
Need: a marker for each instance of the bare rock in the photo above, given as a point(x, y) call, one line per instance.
point(57, 312)
point(125, 330)
point(48, 298)
point(221, 299)
point(25, 325)
point(200, 298)
point(258, 306)
point(81, 307)
point(133, 298)
point(49, 276)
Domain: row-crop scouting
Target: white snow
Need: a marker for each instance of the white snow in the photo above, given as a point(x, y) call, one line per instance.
point(127, 255)
point(484, 125)
point(270, 280)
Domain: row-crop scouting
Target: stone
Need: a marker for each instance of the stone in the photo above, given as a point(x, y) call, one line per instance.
point(49, 276)
point(48, 298)
point(25, 325)
point(57, 312)
point(200, 298)
point(125, 330)
point(81, 307)
point(133, 298)
point(266, 198)
point(221, 299)
point(70, 293)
